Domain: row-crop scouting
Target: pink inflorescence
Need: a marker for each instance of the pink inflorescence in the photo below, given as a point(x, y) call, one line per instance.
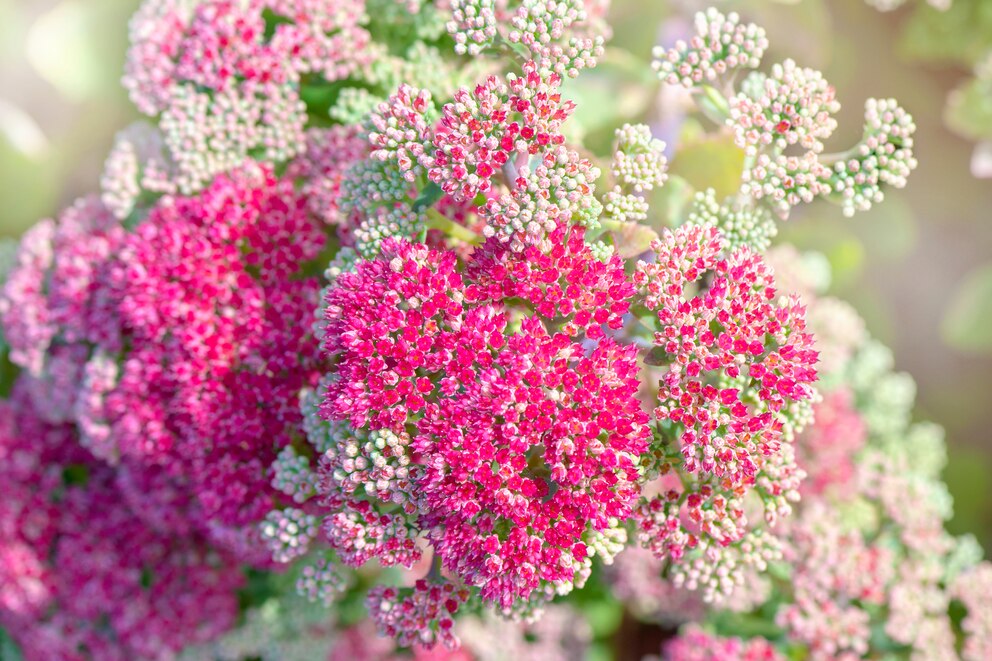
point(423, 615)
point(738, 362)
point(733, 329)
point(171, 333)
point(415, 327)
point(521, 442)
point(567, 282)
point(83, 576)
point(837, 576)
point(521, 463)
point(52, 293)
point(496, 125)
point(400, 129)
point(828, 447)
point(973, 589)
point(203, 286)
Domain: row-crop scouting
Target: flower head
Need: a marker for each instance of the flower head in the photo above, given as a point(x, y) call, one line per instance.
point(721, 44)
point(422, 615)
point(496, 124)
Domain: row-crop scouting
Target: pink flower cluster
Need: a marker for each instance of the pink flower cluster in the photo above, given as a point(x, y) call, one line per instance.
point(175, 332)
point(476, 407)
point(828, 448)
point(868, 567)
point(84, 577)
point(494, 126)
point(738, 362)
point(421, 615)
point(226, 85)
point(972, 589)
point(521, 443)
point(837, 578)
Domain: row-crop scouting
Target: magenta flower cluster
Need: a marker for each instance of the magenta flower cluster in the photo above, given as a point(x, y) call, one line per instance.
point(519, 443)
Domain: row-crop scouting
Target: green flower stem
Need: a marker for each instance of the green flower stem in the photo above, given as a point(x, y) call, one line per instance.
point(436, 221)
point(714, 104)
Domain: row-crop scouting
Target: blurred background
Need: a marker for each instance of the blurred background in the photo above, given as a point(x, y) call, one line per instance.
point(918, 268)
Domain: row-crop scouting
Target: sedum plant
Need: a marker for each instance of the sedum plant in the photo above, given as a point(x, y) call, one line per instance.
point(361, 353)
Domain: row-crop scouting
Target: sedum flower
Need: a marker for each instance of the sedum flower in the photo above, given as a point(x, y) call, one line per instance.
point(721, 45)
point(496, 125)
point(739, 363)
point(422, 615)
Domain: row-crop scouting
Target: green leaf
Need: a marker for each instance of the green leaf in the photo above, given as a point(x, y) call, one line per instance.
point(967, 322)
point(712, 161)
point(75, 475)
point(8, 650)
point(428, 197)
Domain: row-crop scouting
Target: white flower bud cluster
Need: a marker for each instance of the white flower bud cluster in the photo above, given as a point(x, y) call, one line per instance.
point(472, 25)
point(721, 44)
point(207, 135)
point(138, 162)
point(625, 207)
point(639, 160)
point(288, 533)
point(321, 582)
point(384, 222)
point(884, 156)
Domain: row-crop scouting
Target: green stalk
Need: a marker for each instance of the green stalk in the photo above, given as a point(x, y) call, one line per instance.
point(436, 221)
point(714, 104)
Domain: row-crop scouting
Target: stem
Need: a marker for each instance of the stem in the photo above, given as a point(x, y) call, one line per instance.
point(436, 221)
point(714, 105)
point(435, 571)
point(836, 157)
point(743, 200)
